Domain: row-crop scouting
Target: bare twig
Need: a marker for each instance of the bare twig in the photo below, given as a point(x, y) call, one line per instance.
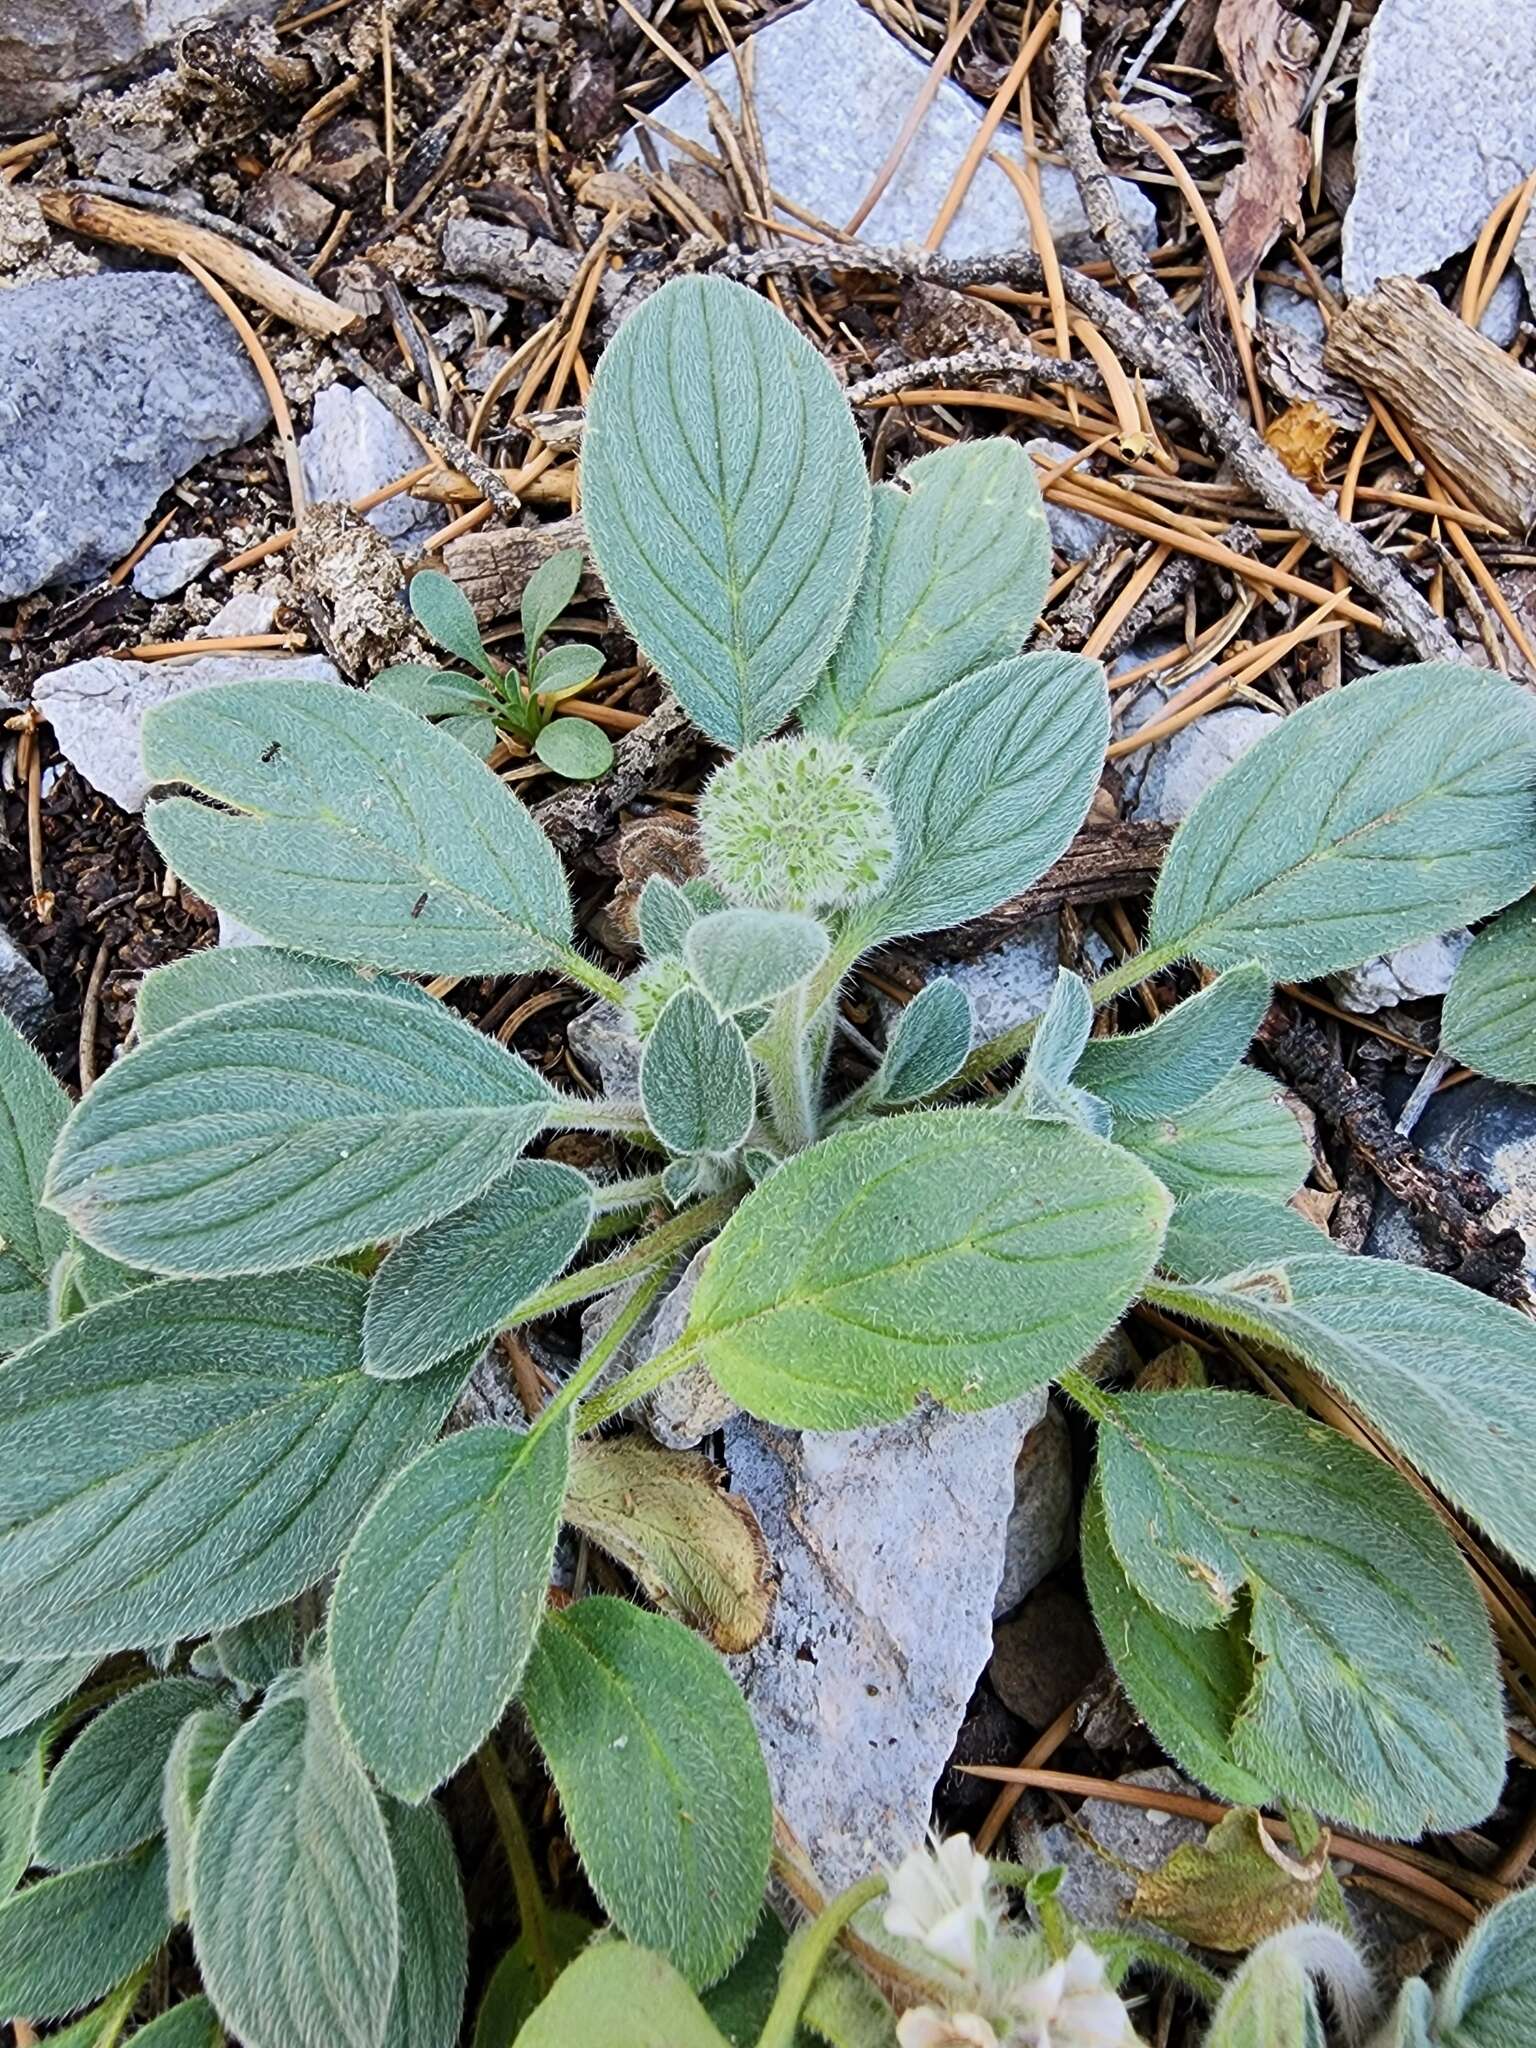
point(1006, 365)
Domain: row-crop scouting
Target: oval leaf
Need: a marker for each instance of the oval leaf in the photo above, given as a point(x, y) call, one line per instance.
point(1175, 1062)
point(431, 692)
point(293, 1885)
point(232, 974)
point(696, 1078)
point(958, 564)
point(1374, 816)
point(1239, 1136)
point(200, 1741)
point(30, 1690)
point(191, 1454)
point(32, 1111)
point(959, 1252)
point(459, 1280)
point(69, 1939)
point(192, 2024)
point(447, 615)
point(1489, 1019)
point(724, 494)
point(104, 1795)
point(1487, 1998)
point(659, 1772)
point(368, 836)
point(988, 788)
point(929, 1044)
point(624, 1997)
point(513, 1992)
point(575, 748)
point(1375, 1696)
point(743, 958)
point(663, 916)
point(547, 593)
point(440, 1597)
point(286, 1129)
point(428, 2004)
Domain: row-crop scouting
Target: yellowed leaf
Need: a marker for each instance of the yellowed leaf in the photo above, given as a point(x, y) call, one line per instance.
point(1303, 437)
point(1235, 1888)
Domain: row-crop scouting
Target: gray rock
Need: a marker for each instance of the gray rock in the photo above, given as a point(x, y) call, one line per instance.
point(356, 445)
point(51, 53)
point(826, 165)
point(691, 1407)
point(97, 707)
point(1401, 977)
point(1073, 534)
point(1297, 310)
point(173, 564)
point(248, 611)
point(1490, 1129)
point(1505, 310)
point(1012, 984)
point(1040, 1527)
point(111, 387)
point(1176, 772)
point(1045, 1656)
point(889, 1545)
point(24, 996)
point(1445, 123)
point(1105, 1849)
point(601, 1038)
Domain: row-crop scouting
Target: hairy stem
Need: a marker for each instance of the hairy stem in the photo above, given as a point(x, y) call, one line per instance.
point(639, 1381)
point(575, 968)
point(782, 1050)
point(997, 1052)
point(573, 1113)
point(800, 1968)
point(1089, 1396)
point(638, 1192)
point(596, 1361)
point(532, 1912)
point(658, 1248)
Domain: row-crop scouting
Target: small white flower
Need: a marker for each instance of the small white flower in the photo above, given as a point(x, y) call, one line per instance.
point(940, 1898)
point(1070, 2005)
point(926, 2027)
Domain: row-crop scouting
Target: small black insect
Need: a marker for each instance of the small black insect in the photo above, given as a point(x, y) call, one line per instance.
point(270, 752)
point(420, 904)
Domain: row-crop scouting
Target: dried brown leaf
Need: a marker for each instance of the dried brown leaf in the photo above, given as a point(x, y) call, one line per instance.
point(1270, 53)
point(1233, 1889)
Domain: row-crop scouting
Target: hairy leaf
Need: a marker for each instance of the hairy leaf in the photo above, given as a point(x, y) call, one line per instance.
point(191, 1454)
point(434, 1930)
point(575, 748)
point(1172, 1064)
point(200, 1741)
point(32, 1111)
point(959, 559)
point(1240, 1136)
point(1489, 1019)
point(368, 836)
point(1447, 1376)
point(960, 1252)
point(293, 1886)
point(565, 670)
point(1372, 817)
point(724, 495)
point(1045, 1088)
point(742, 958)
point(513, 1992)
point(440, 1597)
point(69, 1939)
point(928, 1045)
point(253, 1652)
point(104, 1794)
point(21, 1797)
point(1487, 1998)
point(461, 1278)
point(740, 2003)
point(696, 1078)
point(695, 1549)
point(1231, 1890)
point(547, 592)
point(232, 974)
point(663, 1785)
point(663, 916)
point(31, 1690)
point(625, 1997)
point(192, 2024)
point(290, 1128)
point(1187, 1684)
point(447, 615)
point(1375, 1697)
point(1225, 1231)
point(988, 788)
point(431, 692)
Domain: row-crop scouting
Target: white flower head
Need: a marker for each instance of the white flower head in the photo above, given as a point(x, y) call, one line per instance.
point(1070, 2005)
point(939, 1896)
point(796, 824)
point(926, 2027)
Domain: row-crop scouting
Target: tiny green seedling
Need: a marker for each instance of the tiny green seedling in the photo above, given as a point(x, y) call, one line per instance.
point(499, 701)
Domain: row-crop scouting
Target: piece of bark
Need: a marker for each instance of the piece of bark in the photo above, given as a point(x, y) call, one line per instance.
point(1461, 399)
point(1270, 53)
point(492, 568)
point(517, 262)
point(589, 811)
point(1100, 864)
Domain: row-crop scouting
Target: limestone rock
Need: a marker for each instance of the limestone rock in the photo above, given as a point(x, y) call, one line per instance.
point(356, 445)
point(53, 51)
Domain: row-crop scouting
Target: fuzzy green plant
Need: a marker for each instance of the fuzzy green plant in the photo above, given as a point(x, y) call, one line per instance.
point(247, 1278)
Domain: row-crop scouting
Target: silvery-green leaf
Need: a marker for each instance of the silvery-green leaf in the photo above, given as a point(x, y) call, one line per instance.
point(194, 1757)
point(85, 1278)
point(740, 2003)
point(513, 1992)
point(1226, 1230)
point(1045, 1087)
point(30, 1690)
point(958, 564)
point(431, 692)
point(575, 748)
point(1187, 1684)
point(294, 1913)
point(1409, 2022)
point(624, 1997)
point(988, 788)
point(104, 1793)
point(286, 1129)
point(479, 735)
point(743, 958)
point(547, 593)
point(1240, 1136)
point(434, 1930)
point(959, 1252)
point(1374, 816)
point(446, 613)
point(725, 498)
point(1446, 1375)
point(191, 1454)
point(681, 1180)
point(368, 836)
point(760, 1161)
point(1375, 1696)
point(253, 1652)
point(103, 2025)
point(1489, 1019)
point(1270, 2001)
point(70, 1938)
point(192, 2024)
point(663, 916)
point(21, 1796)
point(696, 1078)
point(929, 1044)
point(659, 1773)
point(1170, 1065)
point(232, 974)
point(439, 1598)
point(564, 669)
point(1487, 1997)
point(32, 1111)
point(703, 895)
point(459, 1280)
